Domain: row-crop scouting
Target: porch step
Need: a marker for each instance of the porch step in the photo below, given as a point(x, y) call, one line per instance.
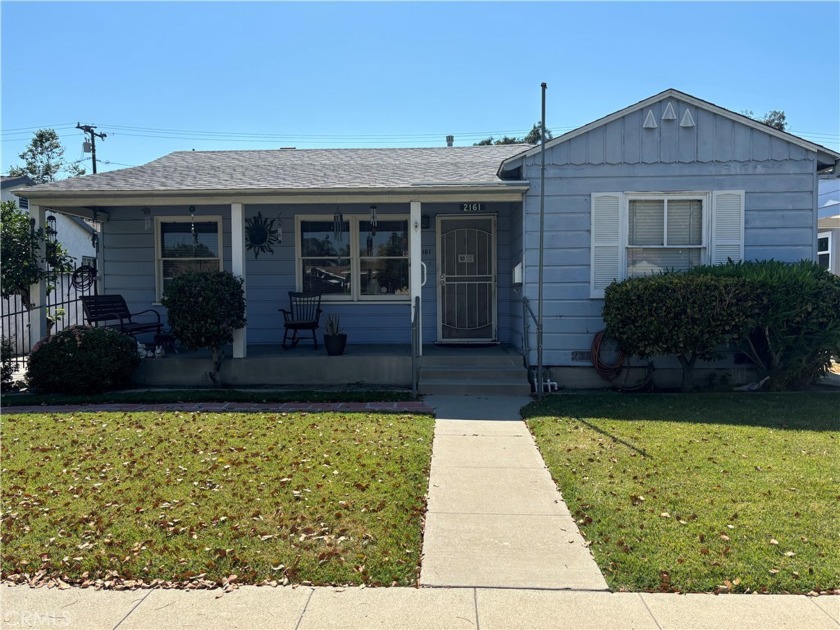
point(456, 387)
point(472, 373)
point(494, 375)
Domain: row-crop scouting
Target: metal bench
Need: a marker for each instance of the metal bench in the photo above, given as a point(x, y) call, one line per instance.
point(304, 313)
point(101, 309)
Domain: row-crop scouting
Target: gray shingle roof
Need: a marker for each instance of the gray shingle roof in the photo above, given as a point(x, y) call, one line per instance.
point(299, 169)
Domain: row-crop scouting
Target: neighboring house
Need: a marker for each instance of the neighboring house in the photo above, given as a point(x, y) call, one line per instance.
point(828, 237)
point(72, 232)
point(670, 182)
point(76, 237)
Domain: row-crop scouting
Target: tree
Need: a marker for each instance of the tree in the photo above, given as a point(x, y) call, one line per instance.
point(20, 254)
point(533, 137)
point(774, 118)
point(44, 159)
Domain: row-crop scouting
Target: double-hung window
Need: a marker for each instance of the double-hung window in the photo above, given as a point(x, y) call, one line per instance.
point(353, 259)
point(664, 233)
point(824, 250)
point(636, 234)
point(183, 244)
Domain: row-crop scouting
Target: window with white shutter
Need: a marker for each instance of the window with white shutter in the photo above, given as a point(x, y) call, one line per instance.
point(606, 241)
point(727, 226)
point(635, 234)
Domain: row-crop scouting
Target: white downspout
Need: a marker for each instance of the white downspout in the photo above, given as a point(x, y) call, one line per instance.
point(415, 264)
point(237, 266)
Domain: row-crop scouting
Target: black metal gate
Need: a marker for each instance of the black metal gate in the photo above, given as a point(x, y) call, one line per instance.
point(63, 307)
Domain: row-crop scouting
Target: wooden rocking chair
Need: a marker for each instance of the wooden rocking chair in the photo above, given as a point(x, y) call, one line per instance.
point(304, 313)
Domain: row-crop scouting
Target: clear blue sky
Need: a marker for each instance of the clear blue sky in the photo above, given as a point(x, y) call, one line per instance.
point(159, 77)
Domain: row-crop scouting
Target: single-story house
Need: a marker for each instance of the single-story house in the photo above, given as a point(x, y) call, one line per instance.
point(669, 182)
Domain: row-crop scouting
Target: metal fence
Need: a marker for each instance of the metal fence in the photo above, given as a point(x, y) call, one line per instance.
point(64, 308)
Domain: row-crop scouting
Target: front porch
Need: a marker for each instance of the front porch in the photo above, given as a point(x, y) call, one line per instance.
point(379, 365)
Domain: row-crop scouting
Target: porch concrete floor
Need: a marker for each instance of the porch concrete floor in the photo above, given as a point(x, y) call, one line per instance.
point(387, 365)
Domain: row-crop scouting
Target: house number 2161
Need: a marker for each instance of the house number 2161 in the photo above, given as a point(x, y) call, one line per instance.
point(471, 207)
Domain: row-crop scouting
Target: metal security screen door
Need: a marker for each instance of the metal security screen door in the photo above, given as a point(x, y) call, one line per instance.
point(466, 279)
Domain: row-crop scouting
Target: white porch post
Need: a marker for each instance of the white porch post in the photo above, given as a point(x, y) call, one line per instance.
point(237, 256)
point(415, 266)
point(38, 292)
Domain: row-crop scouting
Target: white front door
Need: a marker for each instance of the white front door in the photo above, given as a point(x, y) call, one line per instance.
point(466, 263)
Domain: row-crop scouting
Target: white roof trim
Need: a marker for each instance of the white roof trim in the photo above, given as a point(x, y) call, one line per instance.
point(672, 93)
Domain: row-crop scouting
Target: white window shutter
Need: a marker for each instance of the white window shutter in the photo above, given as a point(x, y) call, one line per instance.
point(605, 246)
point(727, 226)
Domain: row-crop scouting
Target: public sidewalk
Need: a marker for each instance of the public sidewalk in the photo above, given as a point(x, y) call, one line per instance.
point(304, 608)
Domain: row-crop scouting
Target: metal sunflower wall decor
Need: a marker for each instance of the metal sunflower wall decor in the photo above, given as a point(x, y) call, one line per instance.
point(260, 235)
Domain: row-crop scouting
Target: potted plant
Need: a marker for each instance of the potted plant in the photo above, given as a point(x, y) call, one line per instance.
point(334, 339)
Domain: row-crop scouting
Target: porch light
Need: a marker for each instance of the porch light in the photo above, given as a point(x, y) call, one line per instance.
point(279, 228)
point(147, 218)
point(52, 232)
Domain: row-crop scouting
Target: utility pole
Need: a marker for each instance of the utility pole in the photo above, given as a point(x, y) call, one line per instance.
point(93, 136)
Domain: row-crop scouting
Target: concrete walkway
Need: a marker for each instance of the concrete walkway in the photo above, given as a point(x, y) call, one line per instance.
point(495, 517)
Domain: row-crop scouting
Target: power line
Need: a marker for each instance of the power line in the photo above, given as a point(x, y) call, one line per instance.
point(89, 129)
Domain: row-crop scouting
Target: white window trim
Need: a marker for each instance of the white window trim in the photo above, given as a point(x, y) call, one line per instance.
point(355, 296)
point(182, 219)
point(624, 217)
point(826, 235)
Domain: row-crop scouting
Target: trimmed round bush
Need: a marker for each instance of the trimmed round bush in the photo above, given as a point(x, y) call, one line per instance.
point(82, 360)
point(204, 309)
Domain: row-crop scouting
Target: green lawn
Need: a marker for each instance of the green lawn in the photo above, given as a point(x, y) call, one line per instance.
point(683, 492)
point(199, 497)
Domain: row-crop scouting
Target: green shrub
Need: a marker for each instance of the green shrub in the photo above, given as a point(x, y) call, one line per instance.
point(689, 316)
point(7, 353)
point(792, 311)
point(82, 360)
point(204, 310)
